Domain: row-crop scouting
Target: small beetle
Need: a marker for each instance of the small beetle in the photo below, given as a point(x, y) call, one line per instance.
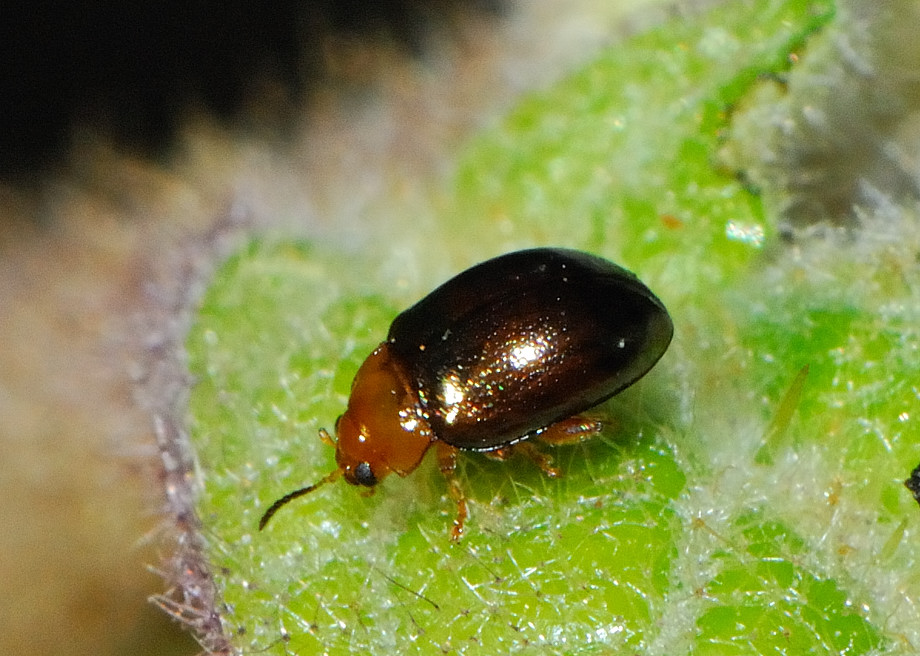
point(509, 350)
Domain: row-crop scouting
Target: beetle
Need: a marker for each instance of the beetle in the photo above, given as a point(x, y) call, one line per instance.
point(508, 351)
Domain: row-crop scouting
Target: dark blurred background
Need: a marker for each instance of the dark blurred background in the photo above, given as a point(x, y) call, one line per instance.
point(132, 70)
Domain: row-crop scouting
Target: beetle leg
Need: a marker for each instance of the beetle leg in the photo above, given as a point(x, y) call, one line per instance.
point(527, 449)
point(570, 431)
point(447, 463)
point(499, 454)
point(540, 459)
point(567, 431)
point(325, 437)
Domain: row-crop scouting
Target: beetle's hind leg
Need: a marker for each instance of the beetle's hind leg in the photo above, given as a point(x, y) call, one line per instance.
point(447, 463)
point(568, 431)
point(571, 430)
point(532, 453)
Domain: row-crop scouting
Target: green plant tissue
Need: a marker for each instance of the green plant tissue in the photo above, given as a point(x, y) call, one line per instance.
point(667, 534)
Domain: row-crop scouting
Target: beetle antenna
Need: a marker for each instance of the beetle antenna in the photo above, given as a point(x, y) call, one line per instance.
point(295, 494)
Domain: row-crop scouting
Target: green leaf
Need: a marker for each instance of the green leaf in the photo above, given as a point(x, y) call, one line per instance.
point(666, 535)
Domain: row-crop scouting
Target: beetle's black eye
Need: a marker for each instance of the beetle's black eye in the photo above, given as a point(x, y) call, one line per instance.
point(364, 475)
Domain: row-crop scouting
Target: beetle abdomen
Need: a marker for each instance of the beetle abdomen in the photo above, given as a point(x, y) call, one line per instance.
point(521, 341)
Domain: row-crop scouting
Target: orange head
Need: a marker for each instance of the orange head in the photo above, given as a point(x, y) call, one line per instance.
point(382, 430)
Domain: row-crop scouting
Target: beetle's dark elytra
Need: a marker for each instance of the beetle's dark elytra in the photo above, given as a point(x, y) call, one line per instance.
point(523, 340)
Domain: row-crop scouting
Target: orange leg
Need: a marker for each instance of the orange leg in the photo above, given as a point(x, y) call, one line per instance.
point(540, 459)
point(568, 431)
point(447, 463)
point(326, 438)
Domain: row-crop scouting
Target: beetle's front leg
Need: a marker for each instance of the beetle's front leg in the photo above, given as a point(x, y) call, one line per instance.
point(447, 463)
